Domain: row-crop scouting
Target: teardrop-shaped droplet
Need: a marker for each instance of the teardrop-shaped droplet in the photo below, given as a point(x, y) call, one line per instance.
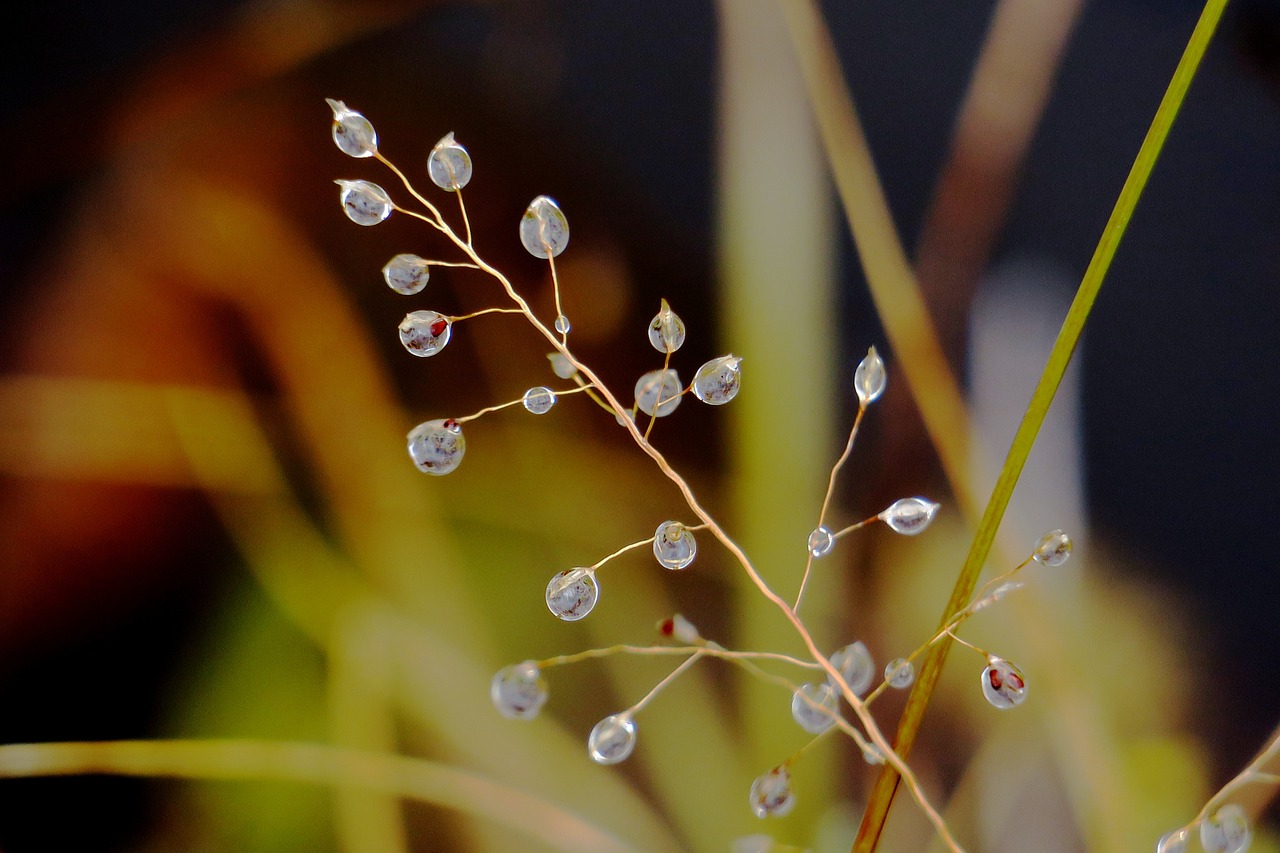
point(909, 516)
point(674, 545)
point(572, 594)
point(855, 665)
point(364, 203)
point(544, 231)
point(352, 132)
point(658, 392)
point(1226, 831)
point(449, 164)
point(539, 400)
point(519, 691)
point(1052, 549)
point(424, 333)
point(771, 794)
point(869, 378)
point(561, 366)
point(436, 447)
point(666, 330)
point(900, 673)
point(821, 542)
point(406, 274)
point(717, 382)
point(562, 325)
point(612, 739)
point(814, 707)
point(1003, 684)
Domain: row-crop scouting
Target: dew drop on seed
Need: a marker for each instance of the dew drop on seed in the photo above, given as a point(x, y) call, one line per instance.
point(1003, 684)
point(364, 203)
point(406, 274)
point(539, 400)
point(561, 366)
point(1227, 830)
point(562, 325)
point(352, 132)
point(820, 542)
point(666, 330)
point(855, 665)
point(544, 231)
point(814, 706)
point(674, 545)
point(771, 794)
point(449, 164)
point(717, 382)
point(572, 594)
point(900, 673)
point(869, 379)
point(612, 739)
point(436, 447)
point(909, 516)
point(424, 333)
point(1052, 549)
point(519, 691)
point(658, 392)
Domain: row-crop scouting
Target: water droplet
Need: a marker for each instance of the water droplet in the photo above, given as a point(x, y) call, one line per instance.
point(900, 673)
point(771, 794)
point(1052, 549)
point(1003, 684)
point(1174, 842)
point(753, 844)
point(612, 739)
point(909, 516)
point(562, 325)
point(996, 594)
point(561, 366)
point(674, 545)
point(870, 378)
point(666, 330)
point(449, 164)
point(352, 132)
point(436, 447)
point(539, 400)
point(425, 333)
point(519, 691)
point(855, 664)
point(814, 706)
point(365, 203)
point(872, 755)
point(821, 542)
point(544, 231)
point(572, 594)
point(625, 418)
point(1226, 831)
point(658, 392)
point(406, 274)
point(717, 382)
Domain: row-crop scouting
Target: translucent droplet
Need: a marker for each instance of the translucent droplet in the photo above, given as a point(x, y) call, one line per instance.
point(674, 545)
point(544, 231)
point(870, 378)
point(1226, 831)
point(425, 333)
point(539, 400)
point(627, 417)
point(352, 132)
point(365, 203)
point(717, 381)
point(519, 691)
point(855, 664)
point(449, 164)
point(561, 366)
point(562, 325)
point(996, 594)
point(1174, 842)
point(814, 706)
point(821, 542)
point(666, 330)
point(658, 392)
point(900, 673)
point(753, 844)
point(872, 755)
point(612, 739)
point(572, 594)
point(1052, 549)
point(1003, 684)
point(436, 447)
point(406, 274)
point(909, 516)
point(771, 794)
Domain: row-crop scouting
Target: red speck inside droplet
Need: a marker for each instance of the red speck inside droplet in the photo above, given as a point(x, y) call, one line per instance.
point(1017, 682)
point(438, 327)
point(451, 425)
point(996, 681)
point(667, 628)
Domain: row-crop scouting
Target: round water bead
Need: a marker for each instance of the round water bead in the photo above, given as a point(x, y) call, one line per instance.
point(449, 164)
point(666, 330)
point(561, 366)
point(519, 691)
point(1226, 831)
point(365, 203)
point(544, 231)
point(406, 274)
point(425, 333)
point(562, 325)
point(900, 673)
point(1052, 549)
point(814, 706)
point(573, 593)
point(717, 382)
point(436, 447)
point(612, 739)
point(352, 132)
point(658, 392)
point(674, 545)
point(872, 755)
point(539, 400)
point(870, 378)
point(909, 516)
point(1003, 684)
point(821, 542)
point(771, 794)
point(855, 664)
point(1174, 842)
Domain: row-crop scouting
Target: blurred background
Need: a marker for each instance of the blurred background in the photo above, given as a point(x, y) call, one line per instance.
point(209, 528)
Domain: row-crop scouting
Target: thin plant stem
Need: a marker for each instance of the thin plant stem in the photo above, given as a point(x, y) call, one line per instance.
point(483, 311)
point(462, 208)
point(852, 527)
point(555, 286)
point(826, 499)
point(666, 363)
point(507, 405)
point(661, 685)
point(711, 650)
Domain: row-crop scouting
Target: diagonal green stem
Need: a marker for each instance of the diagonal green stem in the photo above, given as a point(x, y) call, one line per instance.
point(1064, 346)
